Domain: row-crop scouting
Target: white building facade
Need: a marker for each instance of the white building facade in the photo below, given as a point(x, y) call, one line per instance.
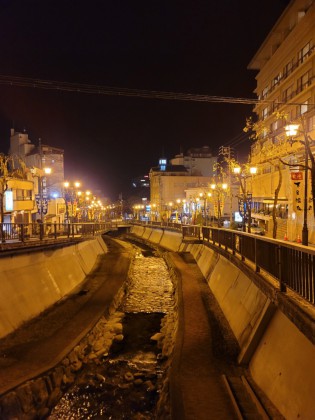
point(286, 91)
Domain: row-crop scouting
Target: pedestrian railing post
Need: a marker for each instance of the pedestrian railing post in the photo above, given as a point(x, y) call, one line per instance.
point(282, 285)
point(41, 231)
point(22, 232)
point(257, 268)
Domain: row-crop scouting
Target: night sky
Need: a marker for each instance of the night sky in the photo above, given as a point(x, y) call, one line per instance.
point(197, 46)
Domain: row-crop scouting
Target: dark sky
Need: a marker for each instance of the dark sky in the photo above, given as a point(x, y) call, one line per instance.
point(189, 46)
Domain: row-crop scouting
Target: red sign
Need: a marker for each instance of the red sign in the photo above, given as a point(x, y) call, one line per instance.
point(296, 176)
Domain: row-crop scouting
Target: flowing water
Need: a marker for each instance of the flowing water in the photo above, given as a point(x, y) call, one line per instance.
point(126, 383)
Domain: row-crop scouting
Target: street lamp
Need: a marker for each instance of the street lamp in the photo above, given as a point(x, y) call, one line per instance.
point(245, 201)
point(291, 131)
point(170, 206)
point(42, 196)
point(70, 196)
point(205, 197)
point(220, 190)
point(153, 212)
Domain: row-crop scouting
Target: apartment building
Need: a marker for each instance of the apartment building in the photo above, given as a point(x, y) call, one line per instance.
point(198, 161)
point(285, 63)
point(168, 184)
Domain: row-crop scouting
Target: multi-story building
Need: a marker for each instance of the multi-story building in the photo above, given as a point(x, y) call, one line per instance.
point(40, 156)
point(197, 161)
point(286, 91)
point(168, 184)
point(37, 158)
point(18, 204)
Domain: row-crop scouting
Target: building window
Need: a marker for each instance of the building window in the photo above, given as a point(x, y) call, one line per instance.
point(266, 170)
point(287, 94)
point(303, 108)
point(265, 113)
point(276, 81)
point(276, 104)
point(264, 133)
point(162, 164)
point(265, 92)
point(304, 52)
point(22, 195)
point(288, 68)
point(276, 125)
point(304, 81)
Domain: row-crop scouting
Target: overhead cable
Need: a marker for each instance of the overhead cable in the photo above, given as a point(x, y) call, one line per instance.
point(116, 91)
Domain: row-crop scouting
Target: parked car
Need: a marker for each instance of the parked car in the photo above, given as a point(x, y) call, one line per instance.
point(257, 230)
point(254, 228)
point(175, 217)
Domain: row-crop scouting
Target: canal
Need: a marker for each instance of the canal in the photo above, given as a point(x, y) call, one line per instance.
point(128, 381)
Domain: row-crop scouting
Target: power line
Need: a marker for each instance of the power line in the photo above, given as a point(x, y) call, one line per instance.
point(116, 91)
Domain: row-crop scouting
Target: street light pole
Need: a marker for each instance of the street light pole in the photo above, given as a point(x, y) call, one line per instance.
point(220, 189)
point(247, 197)
point(291, 131)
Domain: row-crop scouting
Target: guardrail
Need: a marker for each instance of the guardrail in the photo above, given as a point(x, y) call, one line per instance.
point(293, 265)
point(27, 232)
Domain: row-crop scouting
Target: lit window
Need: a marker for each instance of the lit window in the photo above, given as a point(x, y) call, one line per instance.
point(304, 107)
point(304, 52)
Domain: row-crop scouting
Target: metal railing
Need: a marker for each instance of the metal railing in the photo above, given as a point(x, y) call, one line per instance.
point(28, 232)
point(292, 265)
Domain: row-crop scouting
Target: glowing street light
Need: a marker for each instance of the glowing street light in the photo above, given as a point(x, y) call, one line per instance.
point(245, 200)
point(70, 196)
point(220, 190)
point(42, 196)
point(291, 131)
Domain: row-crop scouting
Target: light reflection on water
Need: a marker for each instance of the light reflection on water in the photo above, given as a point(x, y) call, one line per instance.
point(117, 397)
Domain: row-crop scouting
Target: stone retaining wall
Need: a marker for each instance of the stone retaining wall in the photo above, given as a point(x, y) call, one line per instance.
point(36, 398)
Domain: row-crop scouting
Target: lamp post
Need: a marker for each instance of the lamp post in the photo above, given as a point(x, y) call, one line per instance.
point(152, 212)
point(70, 196)
point(220, 190)
point(169, 213)
point(246, 197)
point(291, 131)
point(205, 196)
point(42, 196)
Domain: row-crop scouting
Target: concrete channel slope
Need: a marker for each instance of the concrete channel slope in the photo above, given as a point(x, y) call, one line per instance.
point(275, 331)
point(42, 343)
point(197, 389)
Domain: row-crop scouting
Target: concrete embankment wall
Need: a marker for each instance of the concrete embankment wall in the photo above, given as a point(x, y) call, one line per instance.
point(33, 282)
point(281, 359)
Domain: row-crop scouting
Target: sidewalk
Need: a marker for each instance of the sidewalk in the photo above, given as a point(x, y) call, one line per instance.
point(197, 389)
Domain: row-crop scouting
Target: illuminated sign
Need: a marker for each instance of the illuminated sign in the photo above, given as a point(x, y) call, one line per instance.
point(295, 176)
point(9, 200)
